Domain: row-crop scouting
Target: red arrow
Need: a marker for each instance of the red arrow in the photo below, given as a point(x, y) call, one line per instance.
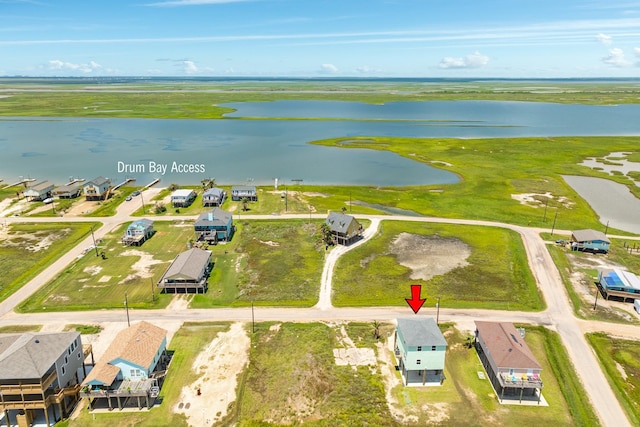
point(415, 302)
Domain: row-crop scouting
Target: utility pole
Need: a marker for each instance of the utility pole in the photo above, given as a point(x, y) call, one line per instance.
point(253, 320)
point(153, 293)
point(595, 303)
point(606, 228)
point(554, 222)
point(94, 241)
point(126, 306)
point(143, 210)
point(544, 218)
point(438, 312)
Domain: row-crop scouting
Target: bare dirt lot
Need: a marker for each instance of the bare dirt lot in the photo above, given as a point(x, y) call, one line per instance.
point(429, 256)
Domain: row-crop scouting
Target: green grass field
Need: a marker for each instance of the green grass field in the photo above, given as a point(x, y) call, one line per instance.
point(491, 171)
point(30, 248)
point(620, 362)
point(179, 100)
point(497, 276)
point(267, 262)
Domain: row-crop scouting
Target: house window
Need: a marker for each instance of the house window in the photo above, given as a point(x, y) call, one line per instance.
point(63, 370)
point(418, 361)
point(79, 356)
point(419, 348)
point(433, 348)
point(66, 360)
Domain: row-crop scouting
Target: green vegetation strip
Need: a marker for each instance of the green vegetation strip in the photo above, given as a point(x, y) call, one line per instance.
point(620, 362)
point(497, 275)
point(491, 172)
point(30, 248)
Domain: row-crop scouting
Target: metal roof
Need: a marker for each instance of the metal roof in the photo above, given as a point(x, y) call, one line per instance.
point(589, 235)
point(420, 331)
point(188, 265)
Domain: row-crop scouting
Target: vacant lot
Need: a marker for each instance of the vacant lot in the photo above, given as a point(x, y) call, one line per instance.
point(466, 266)
point(27, 249)
point(620, 361)
point(267, 262)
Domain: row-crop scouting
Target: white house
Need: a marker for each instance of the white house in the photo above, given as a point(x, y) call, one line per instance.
point(40, 191)
point(97, 189)
point(182, 198)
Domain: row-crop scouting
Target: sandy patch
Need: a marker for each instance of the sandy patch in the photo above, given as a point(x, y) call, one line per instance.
point(93, 270)
point(429, 256)
point(350, 355)
point(104, 279)
point(179, 302)
point(141, 267)
point(269, 243)
point(8, 208)
point(538, 200)
point(312, 194)
point(391, 381)
point(81, 207)
point(217, 368)
point(440, 162)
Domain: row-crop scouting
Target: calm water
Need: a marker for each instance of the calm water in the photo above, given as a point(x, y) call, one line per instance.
point(233, 151)
point(613, 202)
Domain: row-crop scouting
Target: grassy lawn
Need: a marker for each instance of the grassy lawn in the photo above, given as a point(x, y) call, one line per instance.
point(267, 262)
point(292, 379)
point(491, 171)
point(467, 400)
point(581, 307)
point(30, 248)
point(620, 362)
point(19, 329)
point(188, 341)
point(497, 276)
point(92, 283)
point(108, 207)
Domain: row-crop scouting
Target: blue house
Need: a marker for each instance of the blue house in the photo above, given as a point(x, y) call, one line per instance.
point(214, 226)
point(127, 368)
point(589, 241)
point(618, 283)
point(138, 232)
point(420, 350)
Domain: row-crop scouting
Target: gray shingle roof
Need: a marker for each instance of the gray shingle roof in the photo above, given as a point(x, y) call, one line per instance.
point(188, 264)
point(213, 192)
point(98, 181)
point(421, 331)
point(339, 222)
point(30, 355)
point(218, 217)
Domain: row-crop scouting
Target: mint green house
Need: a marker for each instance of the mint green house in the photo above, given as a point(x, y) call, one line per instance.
point(420, 349)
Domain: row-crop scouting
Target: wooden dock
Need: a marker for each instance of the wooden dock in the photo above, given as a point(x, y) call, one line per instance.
point(24, 181)
point(126, 181)
point(154, 182)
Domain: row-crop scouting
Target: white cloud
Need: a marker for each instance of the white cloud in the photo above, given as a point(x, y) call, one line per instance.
point(604, 39)
point(91, 66)
point(474, 60)
point(636, 50)
point(172, 3)
point(616, 58)
point(190, 67)
point(365, 69)
point(328, 69)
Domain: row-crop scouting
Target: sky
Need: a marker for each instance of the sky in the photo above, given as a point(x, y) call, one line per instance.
point(321, 38)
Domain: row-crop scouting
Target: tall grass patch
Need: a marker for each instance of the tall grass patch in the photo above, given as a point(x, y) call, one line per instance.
point(496, 275)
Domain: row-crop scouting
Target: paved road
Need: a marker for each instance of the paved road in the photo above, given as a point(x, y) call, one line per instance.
point(558, 315)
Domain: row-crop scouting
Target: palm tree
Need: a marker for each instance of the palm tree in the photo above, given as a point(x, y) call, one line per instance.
point(376, 330)
point(245, 200)
point(326, 235)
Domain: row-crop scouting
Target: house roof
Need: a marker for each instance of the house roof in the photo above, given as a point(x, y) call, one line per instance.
point(617, 278)
point(505, 345)
point(138, 344)
point(98, 181)
point(590, 235)
point(30, 355)
point(421, 331)
point(41, 186)
point(140, 224)
point(68, 188)
point(244, 188)
point(181, 193)
point(339, 222)
point(215, 216)
point(188, 264)
point(213, 192)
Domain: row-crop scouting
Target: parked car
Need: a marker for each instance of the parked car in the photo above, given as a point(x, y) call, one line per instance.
point(128, 198)
point(135, 193)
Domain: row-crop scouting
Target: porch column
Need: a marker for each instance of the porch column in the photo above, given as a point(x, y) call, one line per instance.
point(46, 416)
point(521, 390)
point(424, 376)
point(501, 394)
point(119, 404)
point(6, 418)
point(539, 395)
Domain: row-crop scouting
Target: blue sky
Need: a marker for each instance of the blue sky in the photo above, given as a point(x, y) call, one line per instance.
point(309, 38)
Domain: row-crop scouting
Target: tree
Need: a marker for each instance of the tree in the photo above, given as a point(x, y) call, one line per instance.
point(326, 236)
point(344, 210)
point(245, 201)
point(376, 330)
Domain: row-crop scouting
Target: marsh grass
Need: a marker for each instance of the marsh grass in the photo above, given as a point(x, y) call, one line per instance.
point(620, 362)
point(19, 264)
point(497, 276)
